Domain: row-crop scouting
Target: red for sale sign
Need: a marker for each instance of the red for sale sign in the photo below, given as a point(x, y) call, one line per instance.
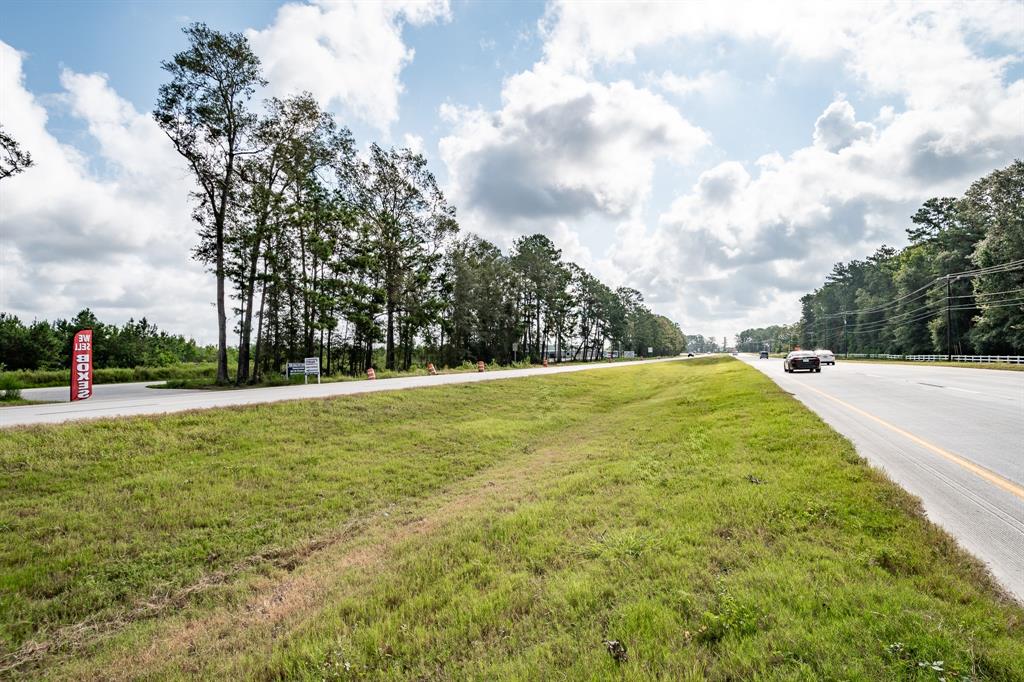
point(81, 365)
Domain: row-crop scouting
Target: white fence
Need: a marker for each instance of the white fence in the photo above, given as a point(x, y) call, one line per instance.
point(1010, 359)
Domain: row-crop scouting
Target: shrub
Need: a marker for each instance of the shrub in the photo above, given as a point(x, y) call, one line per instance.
point(10, 387)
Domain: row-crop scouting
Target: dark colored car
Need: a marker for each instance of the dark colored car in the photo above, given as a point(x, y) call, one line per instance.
point(763, 356)
point(689, 355)
point(802, 359)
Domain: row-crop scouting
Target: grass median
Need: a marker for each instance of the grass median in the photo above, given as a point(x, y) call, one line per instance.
point(675, 521)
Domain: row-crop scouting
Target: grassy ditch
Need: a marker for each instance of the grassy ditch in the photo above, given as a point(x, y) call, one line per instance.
point(674, 521)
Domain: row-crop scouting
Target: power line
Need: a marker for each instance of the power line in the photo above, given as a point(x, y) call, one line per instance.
point(877, 326)
point(922, 291)
point(1001, 267)
point(989, 293)
point(884, 306)
point(887, 320)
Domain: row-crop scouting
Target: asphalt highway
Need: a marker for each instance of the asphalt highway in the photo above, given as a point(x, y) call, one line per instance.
point(120, 400)
point(952, 436)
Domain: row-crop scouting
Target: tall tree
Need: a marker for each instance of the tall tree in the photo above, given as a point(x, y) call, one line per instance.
point(295, 139)
point(958, 286)
point(203, 110)
point(398, 196)
point(997, 203)
point(543, 279)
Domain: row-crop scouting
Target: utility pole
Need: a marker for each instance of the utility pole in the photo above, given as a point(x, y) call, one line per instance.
point(949, 345)
point(846, 339)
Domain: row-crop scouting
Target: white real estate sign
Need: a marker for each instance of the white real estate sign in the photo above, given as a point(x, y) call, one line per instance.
point(312, 367)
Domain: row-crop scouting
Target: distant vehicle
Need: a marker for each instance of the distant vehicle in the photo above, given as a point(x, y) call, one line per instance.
point(825, 357)
point(689, 355)
point(735, 353)
point(763, 356)
point(802, 359)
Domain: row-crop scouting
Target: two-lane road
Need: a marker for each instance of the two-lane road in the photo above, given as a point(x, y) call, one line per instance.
point(952, 436)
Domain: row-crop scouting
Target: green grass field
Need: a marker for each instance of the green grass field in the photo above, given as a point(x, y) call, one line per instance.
point(692, 512)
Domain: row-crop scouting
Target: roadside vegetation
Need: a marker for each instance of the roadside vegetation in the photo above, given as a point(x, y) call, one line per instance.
point(41, 378)
point(10, 393)
point(675, 521)
point(45, 345)
point(958, 286)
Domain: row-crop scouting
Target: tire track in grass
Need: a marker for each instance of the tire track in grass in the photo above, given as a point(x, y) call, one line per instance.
point(288, 600)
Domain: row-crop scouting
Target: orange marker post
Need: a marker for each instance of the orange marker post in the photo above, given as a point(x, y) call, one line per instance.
point(480, 365)
point(430, 368)
point(370, 374)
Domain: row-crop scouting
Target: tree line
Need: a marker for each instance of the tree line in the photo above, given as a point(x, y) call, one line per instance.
point(958, 287)
point(47, 345)
point(319, 250)
point(698, 343)
point(322, 251)
point(774, 338)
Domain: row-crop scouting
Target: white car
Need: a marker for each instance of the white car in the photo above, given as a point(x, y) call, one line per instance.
point(825, 357)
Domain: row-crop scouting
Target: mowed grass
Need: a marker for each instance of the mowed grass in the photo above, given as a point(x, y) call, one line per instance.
point(691, 511)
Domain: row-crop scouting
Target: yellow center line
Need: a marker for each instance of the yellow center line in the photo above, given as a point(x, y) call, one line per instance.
point(980, 471)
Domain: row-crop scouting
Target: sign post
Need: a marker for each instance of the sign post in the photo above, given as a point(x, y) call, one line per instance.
point(312, 366)
point(81, 365)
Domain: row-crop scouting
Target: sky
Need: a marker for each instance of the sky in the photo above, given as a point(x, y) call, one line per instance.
point(720, 157)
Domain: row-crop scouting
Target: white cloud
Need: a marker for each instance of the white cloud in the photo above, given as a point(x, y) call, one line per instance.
point(348, 54)
point(837, 128)
point(683, 86)
point(743, 248)
point(570, 151)
point(583, 35)
point(413, 142)
point(561, 146)
point(746, 240)
point(925, 39)
point(117, 240)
